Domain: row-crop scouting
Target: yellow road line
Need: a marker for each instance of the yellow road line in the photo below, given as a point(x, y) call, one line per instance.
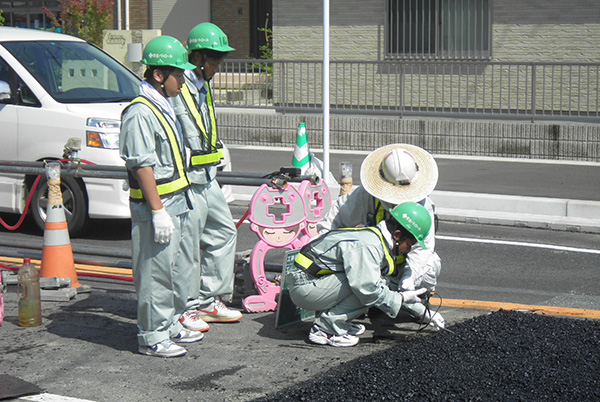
point(489, 305)
point(471, 304)
point(79, 268)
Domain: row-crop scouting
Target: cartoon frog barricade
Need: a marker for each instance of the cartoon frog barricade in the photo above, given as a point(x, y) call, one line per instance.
point(282, 218)
point(317, 203)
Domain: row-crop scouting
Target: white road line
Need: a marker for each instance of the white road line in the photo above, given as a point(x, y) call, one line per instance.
point(290, 149)
point(521, 244)
point(45, 397)
point(503, 242)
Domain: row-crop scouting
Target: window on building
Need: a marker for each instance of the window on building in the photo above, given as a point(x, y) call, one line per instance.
point(438, 29)
point(28, 14)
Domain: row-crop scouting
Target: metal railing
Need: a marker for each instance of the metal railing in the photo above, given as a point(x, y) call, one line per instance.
point(79, 170)
point(445, 88)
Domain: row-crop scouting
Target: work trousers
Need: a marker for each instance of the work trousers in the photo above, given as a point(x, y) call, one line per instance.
point(215, 250)
point(330, 296)
point(162, 276)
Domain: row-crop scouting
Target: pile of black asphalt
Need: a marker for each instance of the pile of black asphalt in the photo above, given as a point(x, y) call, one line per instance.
point(502, 356)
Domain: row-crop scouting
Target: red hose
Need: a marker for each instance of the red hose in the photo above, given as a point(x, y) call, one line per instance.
point(16, 226)
point(22, 218)
point(31, 191)
point(237, 226)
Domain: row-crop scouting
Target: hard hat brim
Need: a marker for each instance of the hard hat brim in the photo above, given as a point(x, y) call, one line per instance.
point(380, 188)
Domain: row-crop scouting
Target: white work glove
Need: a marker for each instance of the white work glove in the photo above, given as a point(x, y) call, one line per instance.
point(407, 284)
point(163, 226)
point(412, 296)
point(437, 321)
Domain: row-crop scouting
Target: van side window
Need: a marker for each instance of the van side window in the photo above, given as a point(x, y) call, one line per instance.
point(20, 94)
point(8, 76)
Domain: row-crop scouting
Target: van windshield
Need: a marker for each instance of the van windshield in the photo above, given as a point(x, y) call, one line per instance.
point(76, 72)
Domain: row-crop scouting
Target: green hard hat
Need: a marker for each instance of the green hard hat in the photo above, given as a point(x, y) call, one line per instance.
point(208, 36)
point(166, 51)
point(415, 218)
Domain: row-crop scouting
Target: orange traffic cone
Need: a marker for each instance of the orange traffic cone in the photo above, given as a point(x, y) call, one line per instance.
point(57, 254)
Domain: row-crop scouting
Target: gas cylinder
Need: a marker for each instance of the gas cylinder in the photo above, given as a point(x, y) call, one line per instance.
point(30, 305)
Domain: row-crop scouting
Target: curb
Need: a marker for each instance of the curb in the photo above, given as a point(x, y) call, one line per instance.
point(507, 210)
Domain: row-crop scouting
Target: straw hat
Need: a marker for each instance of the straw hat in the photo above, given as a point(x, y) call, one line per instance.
point(388, 173)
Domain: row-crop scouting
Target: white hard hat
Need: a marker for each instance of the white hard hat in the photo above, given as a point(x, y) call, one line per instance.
point(399, 167)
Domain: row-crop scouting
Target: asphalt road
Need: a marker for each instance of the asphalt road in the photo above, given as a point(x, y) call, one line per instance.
point(479, 262)
point(86, 347)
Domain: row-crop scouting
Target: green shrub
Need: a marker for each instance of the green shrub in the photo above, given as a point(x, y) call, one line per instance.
point(83, 18)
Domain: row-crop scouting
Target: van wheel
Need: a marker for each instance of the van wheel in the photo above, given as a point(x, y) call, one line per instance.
point(74, 203)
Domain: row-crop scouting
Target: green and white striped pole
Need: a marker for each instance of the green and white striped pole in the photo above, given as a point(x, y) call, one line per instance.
point(301, 151)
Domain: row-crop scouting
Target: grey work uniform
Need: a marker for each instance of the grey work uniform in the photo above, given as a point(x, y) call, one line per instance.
point(162, 272)
point(357, 257)
point(358, 207)
point(216, 230)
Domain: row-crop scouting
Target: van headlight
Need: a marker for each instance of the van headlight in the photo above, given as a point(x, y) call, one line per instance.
point(102, 133)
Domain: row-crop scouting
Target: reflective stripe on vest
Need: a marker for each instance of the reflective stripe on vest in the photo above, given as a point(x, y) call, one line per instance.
point(379, 216)
point(379, 212)
point(198, 157)
point(178, 182)
point(213, 119)
point(308, 262)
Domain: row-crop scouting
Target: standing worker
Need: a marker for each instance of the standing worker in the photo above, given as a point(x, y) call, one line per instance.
point(160, 202)
point(195, 111)
point(392, 175)
point(341, 273)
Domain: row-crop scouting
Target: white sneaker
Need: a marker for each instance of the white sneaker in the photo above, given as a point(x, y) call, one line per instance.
point(187, 336)
point(219, 312)
point(356, 329)
point(320, 337)
point(165, 348)
point(192, 321)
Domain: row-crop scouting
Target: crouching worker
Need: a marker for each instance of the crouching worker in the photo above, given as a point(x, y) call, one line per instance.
point(341, 274)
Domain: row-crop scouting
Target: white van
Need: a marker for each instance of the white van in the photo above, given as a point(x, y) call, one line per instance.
point(54, 87)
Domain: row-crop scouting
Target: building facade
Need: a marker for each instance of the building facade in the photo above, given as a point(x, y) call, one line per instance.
point(494, 30)
point(239, 19)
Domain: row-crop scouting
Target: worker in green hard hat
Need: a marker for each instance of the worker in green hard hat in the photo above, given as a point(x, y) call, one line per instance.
point(209, 46)
point(162, 232)
point(195, 109)
point(391, 175)
point(341, 274)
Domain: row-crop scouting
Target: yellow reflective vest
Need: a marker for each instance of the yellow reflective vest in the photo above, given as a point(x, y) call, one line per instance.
point(176, 183)
point(215, 154)
point(308, 261)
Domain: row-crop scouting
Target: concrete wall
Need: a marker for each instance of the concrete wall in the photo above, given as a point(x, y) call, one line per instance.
point(540, 140)
point(116, 43)
point(541, 30)
point(177, 17)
